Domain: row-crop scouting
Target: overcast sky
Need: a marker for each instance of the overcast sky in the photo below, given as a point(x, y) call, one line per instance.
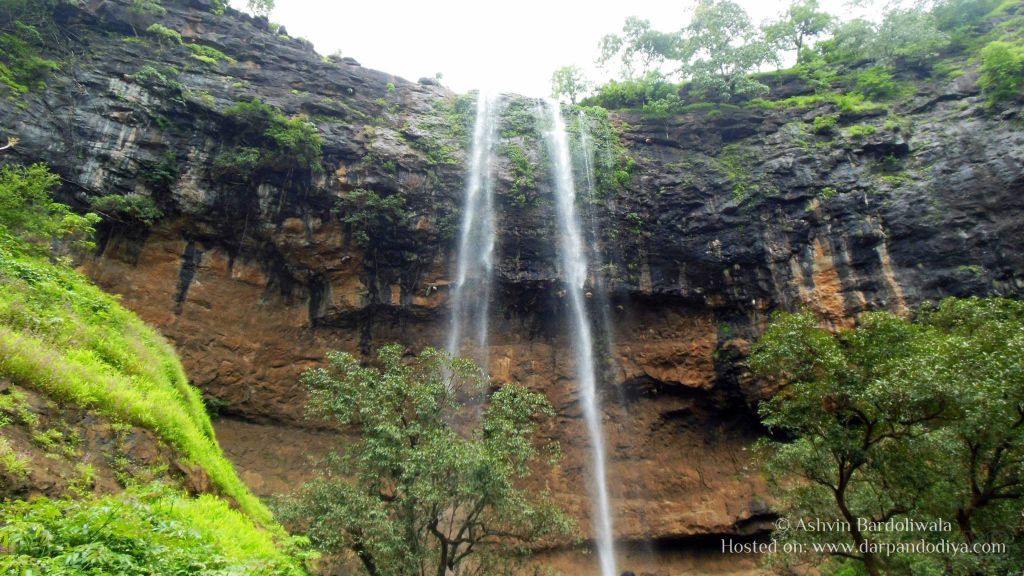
point(512, 45)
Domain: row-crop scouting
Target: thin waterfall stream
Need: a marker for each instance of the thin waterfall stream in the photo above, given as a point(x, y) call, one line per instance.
point(602, 303)
point(474, 273)
point(573, 260)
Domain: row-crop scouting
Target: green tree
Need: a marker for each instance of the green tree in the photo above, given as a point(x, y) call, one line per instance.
point(720, 48)
point(430, 485)
point(849, 42)
point(569, 81)
point(1002, 71)
point(894, 419)
point(28, 212)
point(260, 7)
point(802, 22)
point(909, 35)
point(638, 46)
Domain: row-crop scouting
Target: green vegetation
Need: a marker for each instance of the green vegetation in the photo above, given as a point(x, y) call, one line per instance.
point(414, 493)
point(145, 531)
point(651, 89)
point(448, 130)
point(850, 103)
point(860, 131)
point(825, 124)
point(899, 419)
point(1002, 71)
point(570, 82)
point(161, 174)
point(29, 214)
point(720, 48)
point(162, 78)
point(12, 464)
point(208, 54)
point(21, 67)
point(715, 56)
point(127, 209)
point(613, 167)
point(263, 140)
point(876, 82)
point(802, 22)
point(62, 336)
point(371, 216)
point(524, 178)
point(260, 7)
point(164, 34)
point(151, 8)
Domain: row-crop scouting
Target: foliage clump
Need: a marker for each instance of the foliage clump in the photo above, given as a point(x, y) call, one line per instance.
point(1002, 71)
point(28, 212)
point(901, 419)
point(371, 216)
point(130, 208)
point(21, 67)
point(570, 82)
point(263, 140)
point(208, 54)
point(148, 530)
point(164, 34)
point(430, 485)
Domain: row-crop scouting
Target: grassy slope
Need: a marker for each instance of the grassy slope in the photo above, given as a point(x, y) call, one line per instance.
point(63, 336)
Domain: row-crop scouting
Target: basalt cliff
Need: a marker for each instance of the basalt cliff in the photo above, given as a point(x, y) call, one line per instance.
point(701, 224)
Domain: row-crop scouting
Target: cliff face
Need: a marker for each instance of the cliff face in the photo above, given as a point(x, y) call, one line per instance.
point(722, 216)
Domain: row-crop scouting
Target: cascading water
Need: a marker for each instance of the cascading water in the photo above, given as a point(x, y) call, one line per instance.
point(602, 304)
point(474, 271)
point(574, 267)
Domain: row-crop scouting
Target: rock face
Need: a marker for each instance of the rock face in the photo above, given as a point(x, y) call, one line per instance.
point(719, 217)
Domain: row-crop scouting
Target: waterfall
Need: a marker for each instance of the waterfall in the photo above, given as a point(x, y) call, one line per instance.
point(471, 294)
point(601, 301)
point(574, 268)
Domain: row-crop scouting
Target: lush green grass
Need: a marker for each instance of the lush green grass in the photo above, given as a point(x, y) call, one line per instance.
point(62, 335)
point(150, 530)
point(853, 102)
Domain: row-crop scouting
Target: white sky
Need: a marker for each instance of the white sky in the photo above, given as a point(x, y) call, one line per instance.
point(512, 45)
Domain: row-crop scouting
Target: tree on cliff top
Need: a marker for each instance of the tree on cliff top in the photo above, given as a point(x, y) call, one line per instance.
point(802, 22)
point(900, 419)
point(416, 492)
point(569, 81)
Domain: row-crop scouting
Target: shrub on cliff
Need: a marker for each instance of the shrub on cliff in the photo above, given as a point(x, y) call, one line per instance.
point(1002, 71)
point(901, 419)
point(264, 140)
point(28, 213)
point(432, 481)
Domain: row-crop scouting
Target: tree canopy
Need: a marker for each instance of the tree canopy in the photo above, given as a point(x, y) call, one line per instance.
point(570, 82)
point(431, 483)
point(895, 419)
point(720, 56)
point(802, 22)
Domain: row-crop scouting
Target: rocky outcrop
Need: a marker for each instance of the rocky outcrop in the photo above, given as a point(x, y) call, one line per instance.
point(723, 215)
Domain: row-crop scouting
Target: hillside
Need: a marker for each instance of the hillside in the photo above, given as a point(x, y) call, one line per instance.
point(93, 402)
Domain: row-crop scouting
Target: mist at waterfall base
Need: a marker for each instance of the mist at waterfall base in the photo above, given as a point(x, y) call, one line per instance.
point(474, 279)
